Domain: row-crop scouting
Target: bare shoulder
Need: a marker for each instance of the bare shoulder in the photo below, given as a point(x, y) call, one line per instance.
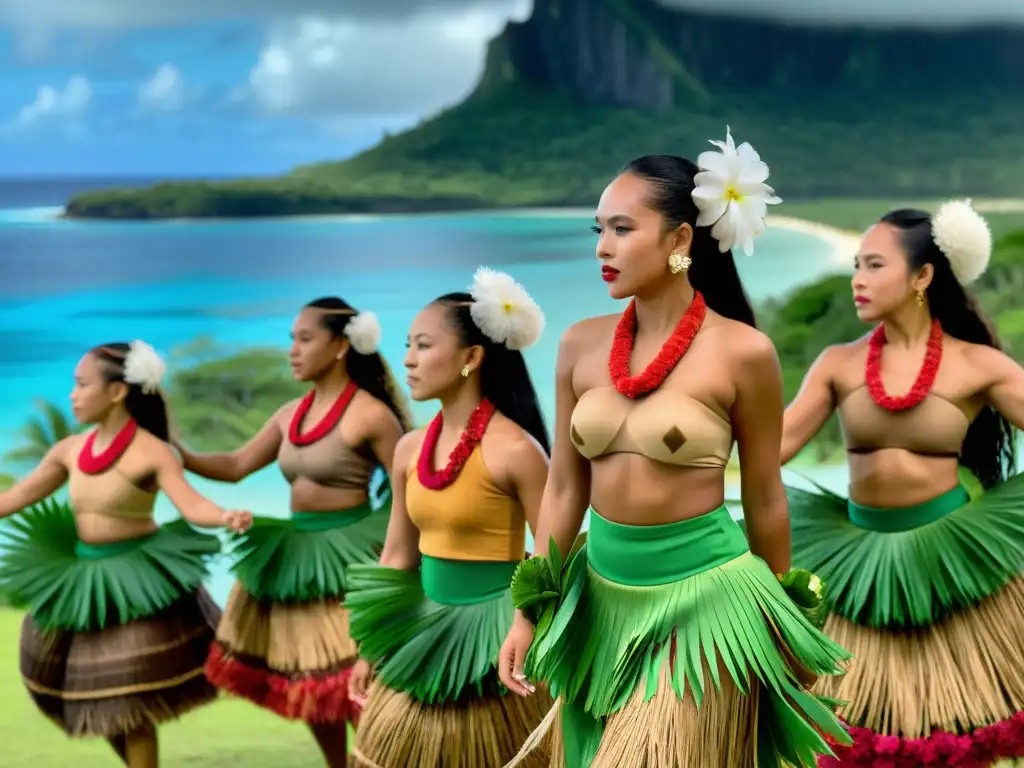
point(513, 442)
point(581, 336)
point(284, 414)
point(67, 449)
point(407, 445)
point(744, 344)
point(991, 363)
point(372, 410)
point(156, 451)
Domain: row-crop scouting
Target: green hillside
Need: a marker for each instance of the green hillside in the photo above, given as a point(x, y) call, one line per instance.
point(518, 145)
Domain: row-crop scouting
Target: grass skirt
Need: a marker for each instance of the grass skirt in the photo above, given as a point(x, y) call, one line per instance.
point(284, 640)
point(433, 638)
point(930, 601)
point(672, 646)
point(116, 634)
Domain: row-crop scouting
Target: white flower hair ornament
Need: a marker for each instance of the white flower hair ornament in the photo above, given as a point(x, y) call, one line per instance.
point(963, 236)
point(503, 310)
point(144, 367)
point(731, 194)
point(363, 333)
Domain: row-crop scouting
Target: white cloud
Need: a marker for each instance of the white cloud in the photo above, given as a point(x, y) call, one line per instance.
point(164, 91)
point(317, 66)
point(121, 14)
point(64, 106)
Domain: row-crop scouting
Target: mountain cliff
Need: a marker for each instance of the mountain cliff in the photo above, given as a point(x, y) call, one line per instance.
point(582, 86)
point(636, 53)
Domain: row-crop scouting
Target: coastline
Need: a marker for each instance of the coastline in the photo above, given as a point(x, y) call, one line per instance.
point(842, 242)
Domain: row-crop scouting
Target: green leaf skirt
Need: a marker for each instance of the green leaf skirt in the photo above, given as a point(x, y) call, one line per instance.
point(116, 634)
point(65, 583)
point(647, 627)
point(910, 567)
point(433, 638)
point(306, 556)
point(930, 601)
point(284, 641)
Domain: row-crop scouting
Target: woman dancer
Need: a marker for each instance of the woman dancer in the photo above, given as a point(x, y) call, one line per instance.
point(118, 623)
point(925, 579)
point(432, 616)
point(284, 640)
point(670, 642)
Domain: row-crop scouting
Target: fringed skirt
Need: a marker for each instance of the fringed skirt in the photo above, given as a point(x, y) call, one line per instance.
point(930, 601)
point(672, 646)
point(284, 640)
point(116, 634)
point(433, 639)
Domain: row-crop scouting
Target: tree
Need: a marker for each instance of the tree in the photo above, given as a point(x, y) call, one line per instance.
point(220, 397)
point(41, 433)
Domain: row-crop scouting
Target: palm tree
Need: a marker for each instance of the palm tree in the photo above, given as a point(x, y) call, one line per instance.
point(6, 481)
point(40, 434)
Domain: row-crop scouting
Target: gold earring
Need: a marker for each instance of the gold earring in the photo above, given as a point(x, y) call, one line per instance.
point(920, 298)
point(465, 371)
point(677, 263)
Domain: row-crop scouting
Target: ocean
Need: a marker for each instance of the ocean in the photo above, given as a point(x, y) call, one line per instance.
point(71, 285)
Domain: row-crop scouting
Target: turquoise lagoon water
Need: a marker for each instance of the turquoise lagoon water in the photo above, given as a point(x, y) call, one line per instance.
point(70, 285)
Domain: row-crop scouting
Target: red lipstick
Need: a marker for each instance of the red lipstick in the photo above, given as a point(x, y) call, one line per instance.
point(609, 274)
point(861, 300)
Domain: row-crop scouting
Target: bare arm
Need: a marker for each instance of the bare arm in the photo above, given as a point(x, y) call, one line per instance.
point(402, 545)
point(567, 490)
point(192, 505)
point(1005, 392)
point(813, 404)
point(757, 424)
point(44, 480)
point(528, 471)
point(235, 466)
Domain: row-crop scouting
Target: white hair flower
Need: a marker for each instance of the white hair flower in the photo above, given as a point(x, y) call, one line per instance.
point(503, 310)
point(964, 237)
point(363, 332)
point(144, 367)
point(731, 194)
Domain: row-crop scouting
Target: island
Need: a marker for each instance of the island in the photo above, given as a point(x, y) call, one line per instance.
point(838, 112)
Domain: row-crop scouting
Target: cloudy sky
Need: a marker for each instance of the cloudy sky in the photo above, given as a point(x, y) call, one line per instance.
point(242, 86)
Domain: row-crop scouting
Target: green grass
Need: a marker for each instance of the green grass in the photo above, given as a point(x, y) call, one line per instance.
point(227, 733)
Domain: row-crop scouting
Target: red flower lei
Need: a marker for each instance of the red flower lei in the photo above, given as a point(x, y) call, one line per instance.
point(925, 379)
point(474, 433)
point(327, 423)
point(91, 464)
point(666, 360)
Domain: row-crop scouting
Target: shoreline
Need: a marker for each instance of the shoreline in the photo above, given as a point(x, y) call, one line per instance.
point(842, 242)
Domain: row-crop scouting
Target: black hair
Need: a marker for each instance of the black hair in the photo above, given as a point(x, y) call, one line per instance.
point(504, 377)
point(711, 272)
point(148, 409)
point(988, 449)
point(370, 372)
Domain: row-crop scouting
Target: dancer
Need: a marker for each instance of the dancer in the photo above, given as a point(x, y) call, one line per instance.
point(284, 640)
point(924, 577)
point(431, 616)
point(118, 623)
point(669, 642)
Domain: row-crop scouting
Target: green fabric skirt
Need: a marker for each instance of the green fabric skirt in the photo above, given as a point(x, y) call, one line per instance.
point(65, 583)
point(305, 557)
point(434, 635)
point(912, 566)
point(687, 595)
